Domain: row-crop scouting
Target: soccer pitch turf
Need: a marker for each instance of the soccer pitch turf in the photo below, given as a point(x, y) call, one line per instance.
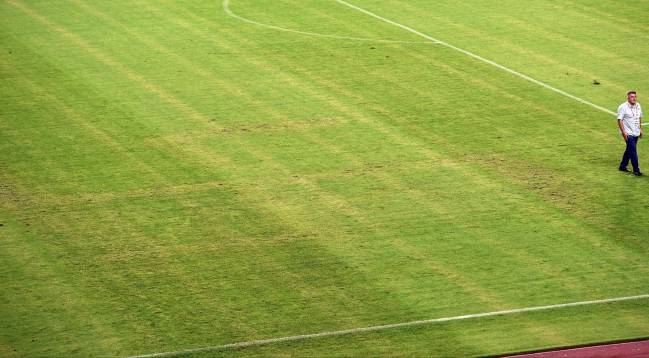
point(178, 175)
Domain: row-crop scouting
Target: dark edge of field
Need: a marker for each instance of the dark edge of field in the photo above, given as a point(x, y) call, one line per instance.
point(603, 345)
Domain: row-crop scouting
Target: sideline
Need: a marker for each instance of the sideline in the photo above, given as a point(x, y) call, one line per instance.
point(384, 327)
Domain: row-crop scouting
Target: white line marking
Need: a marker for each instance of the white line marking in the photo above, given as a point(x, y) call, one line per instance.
point(226, 8)
point(301, 337)
point(478, 57)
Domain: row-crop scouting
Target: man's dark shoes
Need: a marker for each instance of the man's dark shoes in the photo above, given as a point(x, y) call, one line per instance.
point(624, 169)
point(638, 174)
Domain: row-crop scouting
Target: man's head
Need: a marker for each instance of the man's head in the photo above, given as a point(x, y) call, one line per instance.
point(631, 97)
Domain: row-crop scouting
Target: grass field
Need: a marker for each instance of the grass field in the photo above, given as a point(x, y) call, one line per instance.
point(174, 177)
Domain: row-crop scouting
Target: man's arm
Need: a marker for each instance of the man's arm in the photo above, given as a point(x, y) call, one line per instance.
point(619, 124)
point(620, 115)
point(641, 131)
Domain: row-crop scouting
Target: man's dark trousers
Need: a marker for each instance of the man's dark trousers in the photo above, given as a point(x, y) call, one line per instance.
point(630, 154)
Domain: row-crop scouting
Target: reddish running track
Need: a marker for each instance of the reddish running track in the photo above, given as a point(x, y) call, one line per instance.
point(639, 349)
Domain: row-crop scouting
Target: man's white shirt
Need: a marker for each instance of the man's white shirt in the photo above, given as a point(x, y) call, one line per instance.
point(630, 117)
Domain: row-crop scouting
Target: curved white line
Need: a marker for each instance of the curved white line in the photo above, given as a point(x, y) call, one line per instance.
point(226, 8)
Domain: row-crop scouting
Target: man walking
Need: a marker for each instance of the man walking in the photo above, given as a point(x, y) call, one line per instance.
point(629, 119)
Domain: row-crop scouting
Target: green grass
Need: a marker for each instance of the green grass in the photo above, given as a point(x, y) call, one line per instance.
point(172, 177)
